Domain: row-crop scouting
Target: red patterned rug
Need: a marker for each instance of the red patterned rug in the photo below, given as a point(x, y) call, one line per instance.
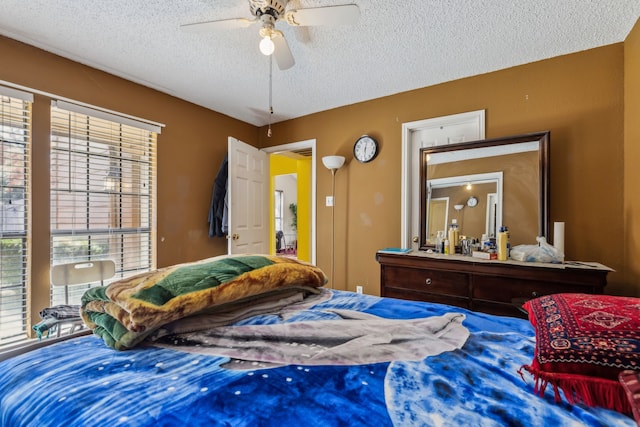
point(583, 342)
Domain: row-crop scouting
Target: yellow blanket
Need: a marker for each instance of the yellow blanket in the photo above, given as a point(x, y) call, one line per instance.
point(125, 312)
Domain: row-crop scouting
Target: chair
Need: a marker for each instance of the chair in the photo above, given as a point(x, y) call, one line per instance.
point(280, 242)
point(75, 273)
point(291, 248)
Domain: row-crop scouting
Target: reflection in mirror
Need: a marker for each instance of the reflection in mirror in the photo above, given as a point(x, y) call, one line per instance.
point(486, 184)
point(475, 202)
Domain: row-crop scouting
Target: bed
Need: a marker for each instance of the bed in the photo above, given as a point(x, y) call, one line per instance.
point(295, 353)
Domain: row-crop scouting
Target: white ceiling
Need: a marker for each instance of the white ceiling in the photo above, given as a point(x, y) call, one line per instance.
point(396, 46)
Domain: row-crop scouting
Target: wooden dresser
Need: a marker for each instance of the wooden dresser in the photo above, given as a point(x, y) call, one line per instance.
point(497, 287)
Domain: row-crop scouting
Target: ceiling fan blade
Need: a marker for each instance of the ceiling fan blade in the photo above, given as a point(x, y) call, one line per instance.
point(282, 53)
point(223, 24)
point(330, 15)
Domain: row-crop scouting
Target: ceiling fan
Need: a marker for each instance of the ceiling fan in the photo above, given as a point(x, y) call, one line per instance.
point(268, 12)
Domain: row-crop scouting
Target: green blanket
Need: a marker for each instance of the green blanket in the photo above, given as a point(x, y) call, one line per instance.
point(127, 311)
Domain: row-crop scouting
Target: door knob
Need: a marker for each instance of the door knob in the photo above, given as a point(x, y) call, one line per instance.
point(415, 239)
point(235, 236)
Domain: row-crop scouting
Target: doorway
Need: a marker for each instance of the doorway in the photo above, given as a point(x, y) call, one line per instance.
point(286, 160)
point(285, 212)
point(426, 133)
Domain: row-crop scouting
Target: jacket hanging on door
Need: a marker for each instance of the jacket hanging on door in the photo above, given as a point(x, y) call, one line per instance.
point(219, 209)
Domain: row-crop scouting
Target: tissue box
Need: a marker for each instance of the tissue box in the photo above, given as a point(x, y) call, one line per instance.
point(485, 255)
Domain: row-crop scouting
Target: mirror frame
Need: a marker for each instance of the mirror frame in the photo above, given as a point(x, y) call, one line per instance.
point(543, 139)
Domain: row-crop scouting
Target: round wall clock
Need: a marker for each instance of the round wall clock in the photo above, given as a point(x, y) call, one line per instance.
point(472, 201)
point(365, 149)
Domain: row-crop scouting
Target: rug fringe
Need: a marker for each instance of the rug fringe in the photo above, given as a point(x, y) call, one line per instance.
point(590, 391)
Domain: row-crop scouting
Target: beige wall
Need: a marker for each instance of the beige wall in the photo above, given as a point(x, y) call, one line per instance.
point(631, 215)
point(578, 97)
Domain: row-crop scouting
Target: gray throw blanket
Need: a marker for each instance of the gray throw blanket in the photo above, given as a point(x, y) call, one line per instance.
point(358, 338)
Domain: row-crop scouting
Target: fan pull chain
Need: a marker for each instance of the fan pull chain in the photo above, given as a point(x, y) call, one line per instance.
point(270, 93)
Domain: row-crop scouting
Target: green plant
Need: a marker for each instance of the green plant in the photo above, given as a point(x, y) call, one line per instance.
point(294, 211)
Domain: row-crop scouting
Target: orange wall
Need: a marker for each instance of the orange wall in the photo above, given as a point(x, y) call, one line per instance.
point(190, 150)
point(632, 156)
point(578, 97)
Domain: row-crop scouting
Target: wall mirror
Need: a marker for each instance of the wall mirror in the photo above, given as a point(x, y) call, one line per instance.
point(485, 184)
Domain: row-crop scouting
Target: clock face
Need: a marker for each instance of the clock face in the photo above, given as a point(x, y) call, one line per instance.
point(365, 149)
point(472, 202)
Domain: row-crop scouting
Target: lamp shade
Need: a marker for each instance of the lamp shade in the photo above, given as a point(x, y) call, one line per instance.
point(333, 162)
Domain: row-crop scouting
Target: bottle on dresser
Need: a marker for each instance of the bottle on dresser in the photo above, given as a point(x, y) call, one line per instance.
point(454, 236)
point(439, 242)
point(503, 244)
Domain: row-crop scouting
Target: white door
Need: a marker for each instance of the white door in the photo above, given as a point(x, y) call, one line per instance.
point(444, 130)
point(248, 199)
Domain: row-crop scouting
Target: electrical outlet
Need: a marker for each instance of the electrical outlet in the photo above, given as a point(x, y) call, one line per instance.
point(359, 289)
point(329, 201)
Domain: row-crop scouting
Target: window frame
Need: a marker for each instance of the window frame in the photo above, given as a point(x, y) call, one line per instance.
point(101, 151)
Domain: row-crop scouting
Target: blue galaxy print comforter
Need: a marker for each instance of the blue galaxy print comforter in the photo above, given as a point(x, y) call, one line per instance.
point(337, 359)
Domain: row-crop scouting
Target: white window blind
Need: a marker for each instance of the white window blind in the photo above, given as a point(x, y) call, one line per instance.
point(102, 192)
point(15, 140)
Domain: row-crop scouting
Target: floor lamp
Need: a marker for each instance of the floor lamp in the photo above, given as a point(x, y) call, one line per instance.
point(333, 163)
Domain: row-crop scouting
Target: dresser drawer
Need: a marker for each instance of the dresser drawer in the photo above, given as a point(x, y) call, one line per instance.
point(488, 286)
point(425, 280)
point(506, 289)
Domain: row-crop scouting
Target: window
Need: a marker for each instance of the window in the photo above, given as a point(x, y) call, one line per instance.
point(279, 210)
point(15, 141)
point(102, 192)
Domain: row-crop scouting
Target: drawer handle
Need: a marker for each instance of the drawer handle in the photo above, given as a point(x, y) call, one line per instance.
point(428, 281)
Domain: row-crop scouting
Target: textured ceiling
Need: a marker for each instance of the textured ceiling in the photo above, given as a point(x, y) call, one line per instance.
point(396, 46)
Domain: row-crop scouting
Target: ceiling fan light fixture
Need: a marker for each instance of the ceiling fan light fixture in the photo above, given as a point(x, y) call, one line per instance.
point(268, 12)
point(266, 46)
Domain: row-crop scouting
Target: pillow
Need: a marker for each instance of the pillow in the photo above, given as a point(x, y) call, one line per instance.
point(583, 342)
point(630, 381)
